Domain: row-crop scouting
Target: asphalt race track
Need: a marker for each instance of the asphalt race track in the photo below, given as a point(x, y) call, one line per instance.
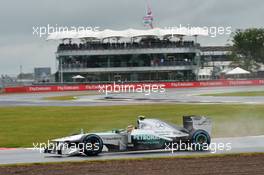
point(188, 95)
point(239, 145)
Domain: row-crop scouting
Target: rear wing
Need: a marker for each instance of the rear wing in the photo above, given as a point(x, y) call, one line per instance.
point(193, 122)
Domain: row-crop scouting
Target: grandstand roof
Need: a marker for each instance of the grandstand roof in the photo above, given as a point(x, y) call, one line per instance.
point(128, 33)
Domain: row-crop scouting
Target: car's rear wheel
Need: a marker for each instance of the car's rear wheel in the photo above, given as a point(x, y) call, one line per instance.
point(92, 145)
point(200, 140)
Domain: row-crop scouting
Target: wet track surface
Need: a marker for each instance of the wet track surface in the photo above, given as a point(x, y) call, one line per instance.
point(189, 95)
point(238, 145)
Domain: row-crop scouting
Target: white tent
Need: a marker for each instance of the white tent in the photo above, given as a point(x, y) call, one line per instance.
point(78, 77)
point(237, 71)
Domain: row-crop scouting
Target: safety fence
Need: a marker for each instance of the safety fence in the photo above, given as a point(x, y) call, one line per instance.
point(166, 85)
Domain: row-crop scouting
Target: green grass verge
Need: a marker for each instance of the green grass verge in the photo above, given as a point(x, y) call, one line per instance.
point(70, 97)
point(21, 126)
point(237, 94)
point(61, 98)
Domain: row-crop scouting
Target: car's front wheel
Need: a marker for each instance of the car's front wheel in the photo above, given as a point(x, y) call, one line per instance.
point(92, 145)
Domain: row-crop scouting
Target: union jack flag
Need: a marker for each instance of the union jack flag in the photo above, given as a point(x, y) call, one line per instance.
point(148, 19)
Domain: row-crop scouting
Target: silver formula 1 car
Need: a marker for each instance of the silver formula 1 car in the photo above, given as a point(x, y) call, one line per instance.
point(149, 134)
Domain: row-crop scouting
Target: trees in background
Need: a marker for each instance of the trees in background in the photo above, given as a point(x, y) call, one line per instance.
point(248, 48)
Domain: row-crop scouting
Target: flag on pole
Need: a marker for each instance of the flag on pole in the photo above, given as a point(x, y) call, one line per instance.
point(148, 19)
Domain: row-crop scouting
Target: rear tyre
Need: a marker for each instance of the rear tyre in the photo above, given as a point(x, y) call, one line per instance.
point(200, 140)
point(92, 145)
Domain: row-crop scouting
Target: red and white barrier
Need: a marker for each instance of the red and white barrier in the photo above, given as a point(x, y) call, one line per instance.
point(84, 87)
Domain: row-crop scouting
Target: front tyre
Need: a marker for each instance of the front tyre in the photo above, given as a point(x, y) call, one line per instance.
point(200, 140)
point(92, 145)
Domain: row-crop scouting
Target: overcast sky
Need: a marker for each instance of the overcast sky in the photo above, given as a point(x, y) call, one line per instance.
point(18, 46)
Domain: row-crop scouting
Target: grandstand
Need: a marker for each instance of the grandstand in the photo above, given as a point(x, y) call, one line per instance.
point(128, 55)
